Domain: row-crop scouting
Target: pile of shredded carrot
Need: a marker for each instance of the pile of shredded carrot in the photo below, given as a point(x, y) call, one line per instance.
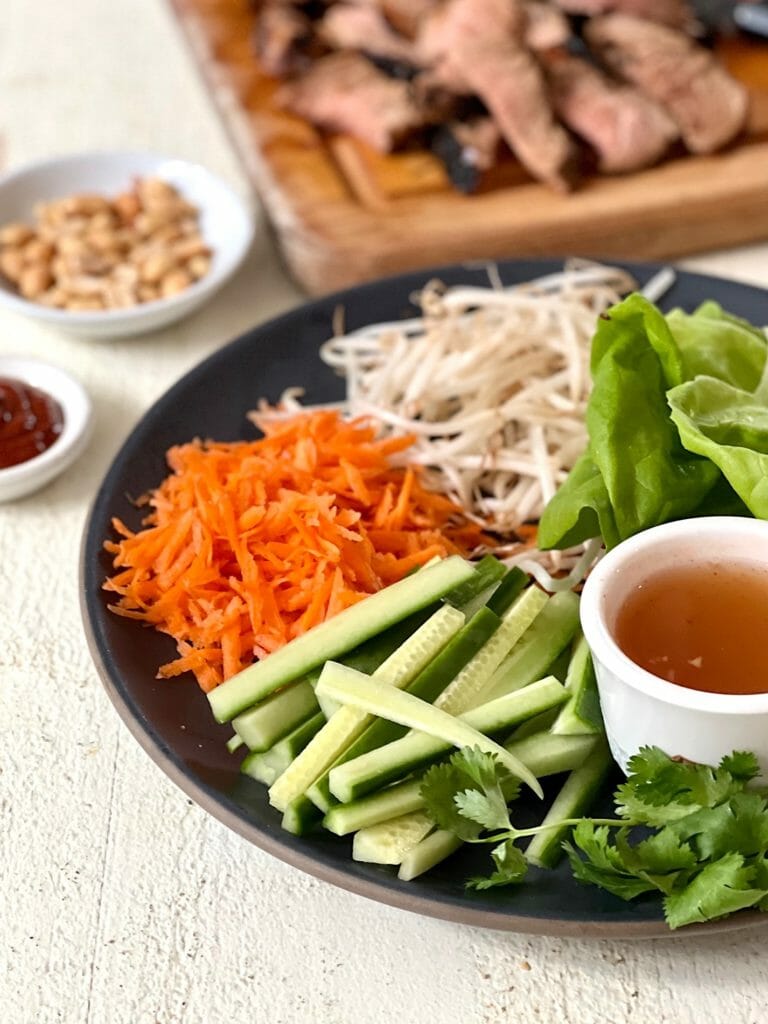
point(252, 543)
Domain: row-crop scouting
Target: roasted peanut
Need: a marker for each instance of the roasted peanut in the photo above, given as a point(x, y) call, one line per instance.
point(199, 265)
point(12, 264)
point(86, 252)
point(175, 282)
point(15, 234)
point(35, 280)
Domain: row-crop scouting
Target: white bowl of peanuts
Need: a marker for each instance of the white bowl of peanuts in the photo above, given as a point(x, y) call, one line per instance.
point(108, 245)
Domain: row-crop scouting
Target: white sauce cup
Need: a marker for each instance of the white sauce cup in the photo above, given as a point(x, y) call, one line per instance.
point(639, 708)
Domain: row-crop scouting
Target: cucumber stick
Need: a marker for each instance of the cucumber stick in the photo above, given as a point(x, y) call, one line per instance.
point(389, 842)
point(234, 743)
point(369, 695)
point(262, 726)
point(582, 712)
point(577, 793)
point(336, 636)
point(555, 754)
point(426, 854)
point(531, 658)
point(370, 771)
point(549, 756)
point(469, 687)
point(428, 685)
point(348, 723)
point(267, 766)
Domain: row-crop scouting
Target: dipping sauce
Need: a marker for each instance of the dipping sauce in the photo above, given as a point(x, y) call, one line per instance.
point(30, 422)
point(701, 625)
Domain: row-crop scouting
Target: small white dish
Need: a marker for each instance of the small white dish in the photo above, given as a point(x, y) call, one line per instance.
point(226, 226)
point(641, 709)
point(26, 477)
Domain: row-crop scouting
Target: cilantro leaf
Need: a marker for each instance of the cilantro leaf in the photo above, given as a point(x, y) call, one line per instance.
point(603, 865)
point(511, 866)
point(661, 859)
point(488, 809)
point(720, 888)
point(741, 764)
point(740, 825)
point(463, 795)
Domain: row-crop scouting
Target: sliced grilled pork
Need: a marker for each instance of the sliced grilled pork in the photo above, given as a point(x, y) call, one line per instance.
point(344, 92)
point(405, 15)
point(363, 26)
point(282, 32)
point(467, 148)
point(546, 27)
point(676, 13)
point(476, 46)
point(626, 129)
point(707, 104)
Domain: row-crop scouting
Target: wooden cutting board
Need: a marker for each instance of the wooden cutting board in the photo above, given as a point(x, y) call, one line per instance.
point(343, 213)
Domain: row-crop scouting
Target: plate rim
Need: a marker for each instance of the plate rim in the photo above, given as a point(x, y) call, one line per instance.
point(227, 812)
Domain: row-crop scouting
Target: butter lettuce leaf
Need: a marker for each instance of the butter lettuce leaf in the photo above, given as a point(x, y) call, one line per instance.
point(729, 427)
point(677, 423)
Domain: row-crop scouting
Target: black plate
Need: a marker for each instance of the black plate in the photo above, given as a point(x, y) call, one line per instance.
point(172, 721)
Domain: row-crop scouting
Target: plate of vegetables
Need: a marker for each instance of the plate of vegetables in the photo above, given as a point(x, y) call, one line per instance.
point(329, 526)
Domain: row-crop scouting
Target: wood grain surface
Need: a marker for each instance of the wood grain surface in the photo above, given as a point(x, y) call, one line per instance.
point(344, 213)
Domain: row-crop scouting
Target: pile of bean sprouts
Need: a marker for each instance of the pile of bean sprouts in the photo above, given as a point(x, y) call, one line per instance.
point(493, 383)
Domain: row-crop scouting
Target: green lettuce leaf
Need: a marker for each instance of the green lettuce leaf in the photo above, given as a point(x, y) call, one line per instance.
point(677, 422)
point(730, 427)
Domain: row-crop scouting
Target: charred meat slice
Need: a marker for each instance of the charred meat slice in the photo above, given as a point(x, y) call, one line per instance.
point(676, 13)
point(363, 26)
point(626, 129)
point(283, 32)
point(546, 26)
point(344, 92)
point(467, 148)
point(707, 104)
point(478, 44)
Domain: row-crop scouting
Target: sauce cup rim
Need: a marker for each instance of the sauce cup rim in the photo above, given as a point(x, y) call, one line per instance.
point(604, 647)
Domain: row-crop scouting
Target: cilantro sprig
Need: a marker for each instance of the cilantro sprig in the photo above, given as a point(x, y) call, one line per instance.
point(696, 834)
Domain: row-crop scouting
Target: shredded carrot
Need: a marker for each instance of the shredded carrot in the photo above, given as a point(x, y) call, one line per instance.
point(249, 544)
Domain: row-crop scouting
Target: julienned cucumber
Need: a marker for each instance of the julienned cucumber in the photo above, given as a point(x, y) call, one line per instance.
point(390, 842)
point(348, 723)
point(488, 572)
point(581, 713)
point(471, 685)
point(578, 792)
point(336, 636)
point(377, 768)
point(262, 726)
point(427, 685)
point(369, 695)
point(267, 766)
point(557, 754)
point(550, 756)
point(553, 629)
point(432, 849)
point(234, 743)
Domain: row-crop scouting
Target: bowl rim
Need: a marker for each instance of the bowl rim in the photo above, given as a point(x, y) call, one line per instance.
point(76, 407)
point(600, 638)
point(108, 317)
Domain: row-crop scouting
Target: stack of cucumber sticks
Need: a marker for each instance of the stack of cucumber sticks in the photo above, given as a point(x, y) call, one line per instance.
point(342, 723)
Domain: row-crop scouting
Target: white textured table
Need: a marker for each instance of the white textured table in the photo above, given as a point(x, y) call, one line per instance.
point(121, 901)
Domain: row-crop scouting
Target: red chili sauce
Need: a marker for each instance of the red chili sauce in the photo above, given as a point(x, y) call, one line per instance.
point(30, 421)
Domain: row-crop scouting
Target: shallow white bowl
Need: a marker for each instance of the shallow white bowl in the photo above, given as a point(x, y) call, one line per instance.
point(226, 225)
point(639, 708)
point(16, 481)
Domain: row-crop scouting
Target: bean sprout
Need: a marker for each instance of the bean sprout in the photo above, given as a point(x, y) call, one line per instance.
point(493, 384)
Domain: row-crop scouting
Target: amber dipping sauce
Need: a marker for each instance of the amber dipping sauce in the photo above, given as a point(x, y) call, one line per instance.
point(702, 625)
point(30, 422)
